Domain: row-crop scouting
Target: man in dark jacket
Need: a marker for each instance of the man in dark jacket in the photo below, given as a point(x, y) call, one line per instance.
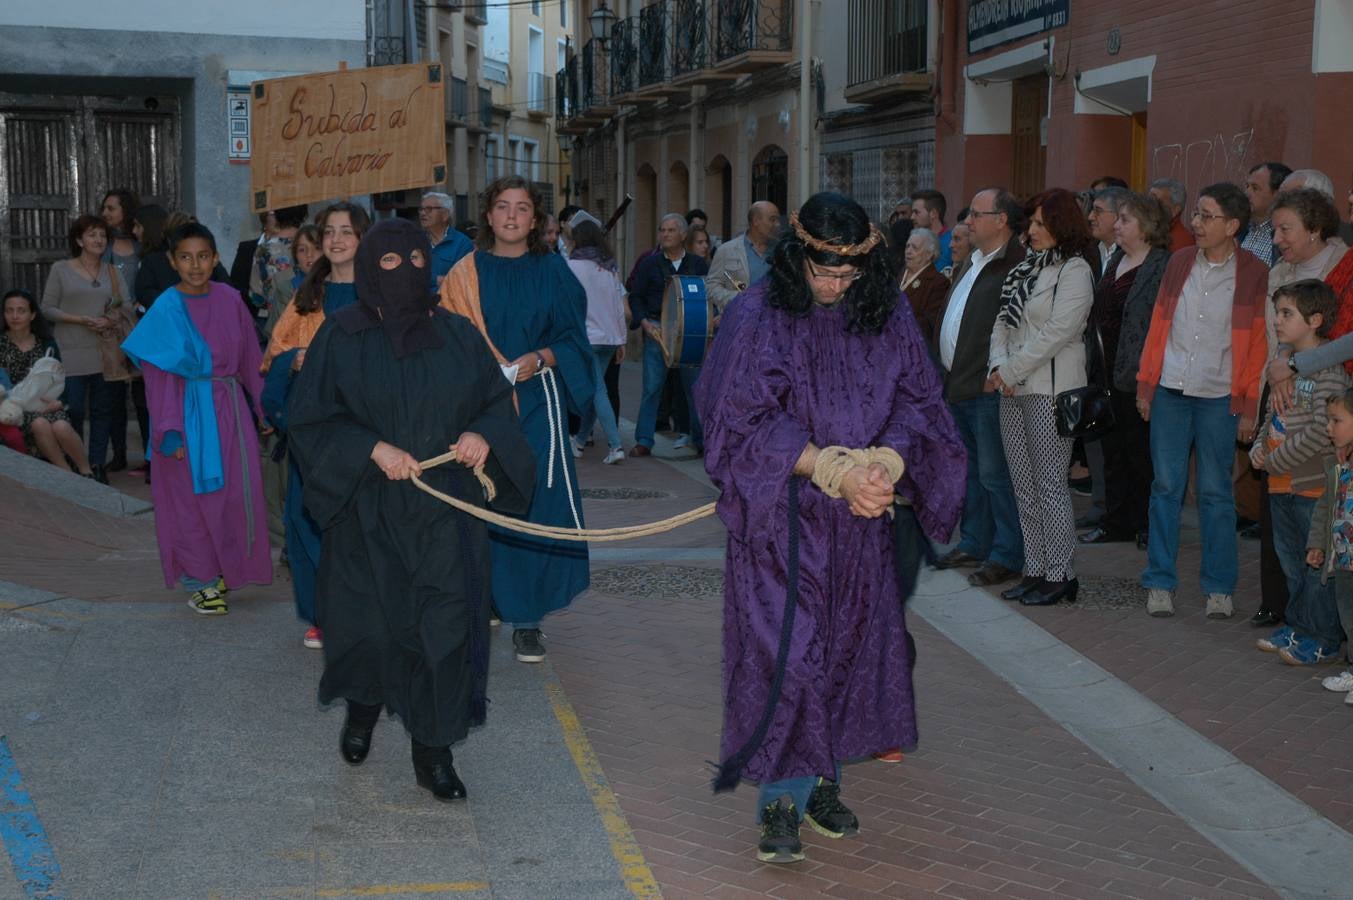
point(650, 283)
point(990, 536)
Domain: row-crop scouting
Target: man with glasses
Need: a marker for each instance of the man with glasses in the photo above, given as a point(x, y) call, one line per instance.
point(1198, 386)
point(989, 533)
point(1103, 213)
point(448, 244)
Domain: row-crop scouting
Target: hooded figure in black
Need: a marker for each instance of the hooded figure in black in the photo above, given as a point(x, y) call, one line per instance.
point(403, 583)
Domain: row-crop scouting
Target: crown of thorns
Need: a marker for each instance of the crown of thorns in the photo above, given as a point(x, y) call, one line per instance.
point(818, 244)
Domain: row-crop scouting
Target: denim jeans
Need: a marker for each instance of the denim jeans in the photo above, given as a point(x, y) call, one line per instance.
point(88, 396)
point(1178, 424)
point(601, 400)
point(990, 527)
point(655, 375)
point(1311, 607)
point(799, 790)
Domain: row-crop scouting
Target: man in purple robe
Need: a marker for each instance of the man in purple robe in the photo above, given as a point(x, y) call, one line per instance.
point(823, 411)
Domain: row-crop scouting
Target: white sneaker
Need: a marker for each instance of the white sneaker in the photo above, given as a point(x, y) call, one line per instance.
point(1341, 683)
point(617, 455)
point(681, 442)
point(1219, 606)
point(577, 446)
point(1159, 603)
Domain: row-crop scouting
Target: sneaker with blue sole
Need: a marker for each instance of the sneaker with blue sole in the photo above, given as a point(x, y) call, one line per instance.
point(1308, 651)
point(1283, 637)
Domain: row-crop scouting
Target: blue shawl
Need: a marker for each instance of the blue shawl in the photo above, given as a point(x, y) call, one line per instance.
point(167, 339)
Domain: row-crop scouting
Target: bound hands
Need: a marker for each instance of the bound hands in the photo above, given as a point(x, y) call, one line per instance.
point(471, 450)
point(394, 462)
point(867, 490)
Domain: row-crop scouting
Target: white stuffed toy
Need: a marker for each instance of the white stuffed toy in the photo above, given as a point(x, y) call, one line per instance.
point(42, 387)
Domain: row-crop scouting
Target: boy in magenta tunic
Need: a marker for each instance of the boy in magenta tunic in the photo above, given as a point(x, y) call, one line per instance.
point(198, 352)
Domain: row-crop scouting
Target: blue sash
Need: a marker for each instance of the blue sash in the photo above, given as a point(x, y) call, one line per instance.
point(167, 339)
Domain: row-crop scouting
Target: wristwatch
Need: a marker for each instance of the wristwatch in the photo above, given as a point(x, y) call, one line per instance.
point(540, 361)
point(1292, 363)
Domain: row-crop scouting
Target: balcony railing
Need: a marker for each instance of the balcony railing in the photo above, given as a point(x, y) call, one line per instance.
point(690, 37)
point(624, 56)
point(566, 92)
point(594, 78)
point(486, 107)
point(538, 92)
point(655, 64)
point(747, 26)
point(887, 37)
point(457, 99)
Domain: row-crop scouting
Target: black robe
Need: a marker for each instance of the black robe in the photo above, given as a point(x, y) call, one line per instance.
point(403, 582)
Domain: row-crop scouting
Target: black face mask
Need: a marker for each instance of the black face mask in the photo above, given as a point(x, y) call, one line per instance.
point(400, 298)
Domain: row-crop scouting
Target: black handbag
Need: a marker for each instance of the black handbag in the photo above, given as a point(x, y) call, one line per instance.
point(1085, 412)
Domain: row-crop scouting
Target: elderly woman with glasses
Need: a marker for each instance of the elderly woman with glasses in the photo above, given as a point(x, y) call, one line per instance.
point(924, 285)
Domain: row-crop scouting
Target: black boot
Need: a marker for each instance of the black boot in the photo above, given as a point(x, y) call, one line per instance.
point(100, 474)
point(433, 769)
point(354, 743)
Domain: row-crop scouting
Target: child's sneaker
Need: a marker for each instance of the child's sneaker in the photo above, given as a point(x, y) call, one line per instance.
point(314, 638)
point(210, 600)
point(1219, 606)
point(1283, 637)
point(1307, 651)
point(1159, 603)
point(1340, 684)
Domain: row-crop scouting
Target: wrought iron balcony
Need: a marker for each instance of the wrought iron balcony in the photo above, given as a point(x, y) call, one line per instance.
point(692, 59)
point(457, 100)
point(753, 34)
point(594, 81)
point(624, 59)
point(566, 99)
point(888, 58)
point(655, 49)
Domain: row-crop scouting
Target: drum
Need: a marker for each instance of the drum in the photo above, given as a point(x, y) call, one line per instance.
point(687, 321)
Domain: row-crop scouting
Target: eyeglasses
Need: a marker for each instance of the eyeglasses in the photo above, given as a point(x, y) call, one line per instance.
point(428, 209)
point(978, 213)
point(1206, 217)
point(833, 276)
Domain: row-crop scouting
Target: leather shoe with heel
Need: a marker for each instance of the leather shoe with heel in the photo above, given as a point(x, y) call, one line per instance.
point(1052, 592)
point(441, 779)
point(1027, 584)
point(354, 743)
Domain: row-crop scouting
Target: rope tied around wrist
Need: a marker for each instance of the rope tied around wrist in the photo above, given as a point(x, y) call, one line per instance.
point(834, 462)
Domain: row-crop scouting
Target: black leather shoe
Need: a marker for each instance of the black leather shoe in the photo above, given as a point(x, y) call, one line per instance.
point(991, 573)
point(1052, 592)
point(117, 463)
point(100, 474)
point(354, 743)
point(441, 779)
point(1265, 619)
point(1027, 584)
point(957, 559)
point(1105, 536)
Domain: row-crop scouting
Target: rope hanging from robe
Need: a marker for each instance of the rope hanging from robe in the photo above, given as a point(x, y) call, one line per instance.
point(833, 463)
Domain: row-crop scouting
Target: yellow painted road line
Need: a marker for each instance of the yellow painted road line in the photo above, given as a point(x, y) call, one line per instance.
point(638, 878)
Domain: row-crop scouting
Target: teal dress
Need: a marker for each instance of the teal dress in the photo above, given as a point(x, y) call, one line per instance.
point(530, 303)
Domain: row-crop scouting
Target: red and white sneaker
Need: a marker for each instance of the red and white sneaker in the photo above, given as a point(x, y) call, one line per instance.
point(890, 756)
point(314, 638)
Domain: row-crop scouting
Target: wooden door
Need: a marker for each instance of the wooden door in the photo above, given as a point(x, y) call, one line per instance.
point(1028, 154)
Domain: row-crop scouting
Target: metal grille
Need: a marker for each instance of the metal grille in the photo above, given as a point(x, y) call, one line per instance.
point(653, 46)
point(690, 36)
point(593, 75)
point(887, 37)
point(60, 155)
point(746, 25)
point(624, 55)
point(457, 99)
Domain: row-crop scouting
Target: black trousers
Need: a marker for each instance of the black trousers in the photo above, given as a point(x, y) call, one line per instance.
point(1127, 468)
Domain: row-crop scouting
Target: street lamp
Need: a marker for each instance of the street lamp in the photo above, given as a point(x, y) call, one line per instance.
point(601, 21)
point(565, 142)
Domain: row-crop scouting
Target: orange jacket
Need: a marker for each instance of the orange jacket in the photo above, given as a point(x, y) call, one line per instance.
point(1249, 335)
point(293, 331)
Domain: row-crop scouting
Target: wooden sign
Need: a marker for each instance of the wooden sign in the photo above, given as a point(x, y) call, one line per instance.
point(345, 133)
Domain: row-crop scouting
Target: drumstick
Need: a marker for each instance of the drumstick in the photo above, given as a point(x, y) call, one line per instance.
point(619, 211)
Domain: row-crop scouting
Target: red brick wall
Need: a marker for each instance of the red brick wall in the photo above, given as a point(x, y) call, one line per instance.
point(1232, 87)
